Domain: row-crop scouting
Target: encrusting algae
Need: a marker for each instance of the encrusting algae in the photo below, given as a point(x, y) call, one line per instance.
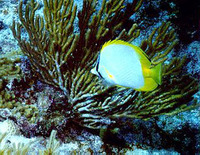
point(63, 58)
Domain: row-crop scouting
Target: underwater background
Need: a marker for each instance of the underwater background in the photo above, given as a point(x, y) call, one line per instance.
point(50, 103)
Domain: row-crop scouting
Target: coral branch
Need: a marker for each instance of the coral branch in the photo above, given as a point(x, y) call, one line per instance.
point(63, 57)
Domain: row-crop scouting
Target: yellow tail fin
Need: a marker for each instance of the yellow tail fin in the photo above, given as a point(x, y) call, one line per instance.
point(156, 73)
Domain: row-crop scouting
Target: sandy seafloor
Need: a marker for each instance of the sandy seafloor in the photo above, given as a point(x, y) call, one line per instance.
point(8, 13)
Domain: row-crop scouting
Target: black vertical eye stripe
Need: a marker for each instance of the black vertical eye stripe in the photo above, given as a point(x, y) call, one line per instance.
point(97, 67)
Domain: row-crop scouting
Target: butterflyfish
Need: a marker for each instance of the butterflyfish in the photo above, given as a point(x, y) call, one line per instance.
point(123, 64)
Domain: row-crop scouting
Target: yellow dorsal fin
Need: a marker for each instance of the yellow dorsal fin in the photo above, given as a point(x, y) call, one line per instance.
point(121, 42)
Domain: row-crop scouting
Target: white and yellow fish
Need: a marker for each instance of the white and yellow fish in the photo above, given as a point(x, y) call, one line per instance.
point(123, 64)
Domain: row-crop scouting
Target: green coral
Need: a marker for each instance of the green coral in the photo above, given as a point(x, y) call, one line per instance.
point(63, 57)
point(9, 70)
point(30, 112)
point(7, 99)
point(10, 101)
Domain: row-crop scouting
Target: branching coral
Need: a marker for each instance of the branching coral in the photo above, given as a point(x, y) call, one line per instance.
point(55, 49)
point(63, 57)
